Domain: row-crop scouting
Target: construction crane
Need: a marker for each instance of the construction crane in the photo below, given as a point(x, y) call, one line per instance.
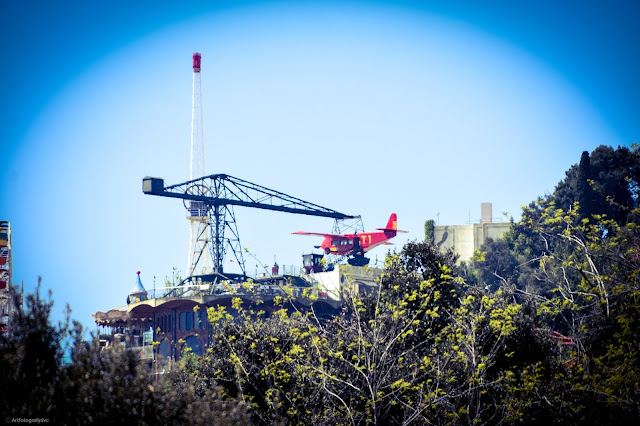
point(211, 198)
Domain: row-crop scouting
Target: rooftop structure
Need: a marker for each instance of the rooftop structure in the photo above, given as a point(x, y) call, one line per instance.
point(137, 293)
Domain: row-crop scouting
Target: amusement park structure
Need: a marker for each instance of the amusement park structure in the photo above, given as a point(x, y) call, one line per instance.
point(176, 316)
point(209, 200)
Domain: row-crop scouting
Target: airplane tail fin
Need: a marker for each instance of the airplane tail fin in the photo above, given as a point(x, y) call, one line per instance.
point(392, 224)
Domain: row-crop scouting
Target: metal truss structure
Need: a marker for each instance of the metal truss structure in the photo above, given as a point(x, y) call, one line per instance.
point(212, 198)
point(348, 226)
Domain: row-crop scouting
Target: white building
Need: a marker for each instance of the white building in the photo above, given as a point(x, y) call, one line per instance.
point(465, 239)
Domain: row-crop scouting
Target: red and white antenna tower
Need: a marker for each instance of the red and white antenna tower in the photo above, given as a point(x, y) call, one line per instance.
point(199, 254)
point(197, 142)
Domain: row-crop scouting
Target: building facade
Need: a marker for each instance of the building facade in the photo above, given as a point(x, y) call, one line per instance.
point(178, 320)
point(464, 240)
point(9, 295)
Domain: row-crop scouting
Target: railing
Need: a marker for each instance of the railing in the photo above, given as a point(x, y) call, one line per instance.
point(251, 289)
point(493, 220)
point(282, 270)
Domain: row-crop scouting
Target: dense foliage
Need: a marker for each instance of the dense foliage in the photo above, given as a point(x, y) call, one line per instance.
point(543, 327)
point(98, 386)
point(576, 254)
point(424, 349)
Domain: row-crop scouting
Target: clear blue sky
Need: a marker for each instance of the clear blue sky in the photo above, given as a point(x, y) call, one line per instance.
point(426, 109)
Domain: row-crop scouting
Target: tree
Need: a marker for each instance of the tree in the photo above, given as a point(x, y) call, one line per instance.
point(98, 386)
point(576, 264)
point(612, 176)
point(31, 358)
point(429, 226)
point(496, 264)
point(584, 191)
point(422, 349)
point(259, 358)
point(594, 265)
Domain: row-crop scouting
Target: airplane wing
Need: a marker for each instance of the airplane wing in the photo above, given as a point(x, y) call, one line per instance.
point(321, 235)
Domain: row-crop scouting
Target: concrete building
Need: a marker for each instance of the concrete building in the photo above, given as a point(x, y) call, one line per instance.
point(466, 239)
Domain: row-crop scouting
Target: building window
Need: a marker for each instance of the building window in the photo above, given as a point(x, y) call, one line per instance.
point(203, 319)
point(164, 350)
point(194, 343)
point(189, 319)
point(181, 321)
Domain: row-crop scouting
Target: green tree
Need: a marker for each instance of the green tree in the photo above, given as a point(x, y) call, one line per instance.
point(584, 192)
point(423, 349)
point(99, 385)
point(258, 357)
point(496, 264)
point(594, 265)
point(31, 359)
point(613, 176)
point(429, 226)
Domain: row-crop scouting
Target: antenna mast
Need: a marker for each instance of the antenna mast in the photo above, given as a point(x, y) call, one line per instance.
point(199, 255)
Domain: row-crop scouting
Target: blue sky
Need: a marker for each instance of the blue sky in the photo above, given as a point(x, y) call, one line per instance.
point(426, 109)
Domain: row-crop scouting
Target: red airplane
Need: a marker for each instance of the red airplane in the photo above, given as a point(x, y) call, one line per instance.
point(356, 244)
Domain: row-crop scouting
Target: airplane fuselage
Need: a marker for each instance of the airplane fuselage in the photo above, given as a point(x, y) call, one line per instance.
point(345, 245)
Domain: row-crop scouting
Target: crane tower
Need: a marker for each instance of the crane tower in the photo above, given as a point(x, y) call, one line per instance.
point(197, 212)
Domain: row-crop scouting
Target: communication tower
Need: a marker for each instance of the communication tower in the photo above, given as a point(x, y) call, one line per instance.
point(197, 212)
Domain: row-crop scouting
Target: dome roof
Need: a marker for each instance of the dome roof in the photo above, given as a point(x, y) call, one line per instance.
point(138, 289)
